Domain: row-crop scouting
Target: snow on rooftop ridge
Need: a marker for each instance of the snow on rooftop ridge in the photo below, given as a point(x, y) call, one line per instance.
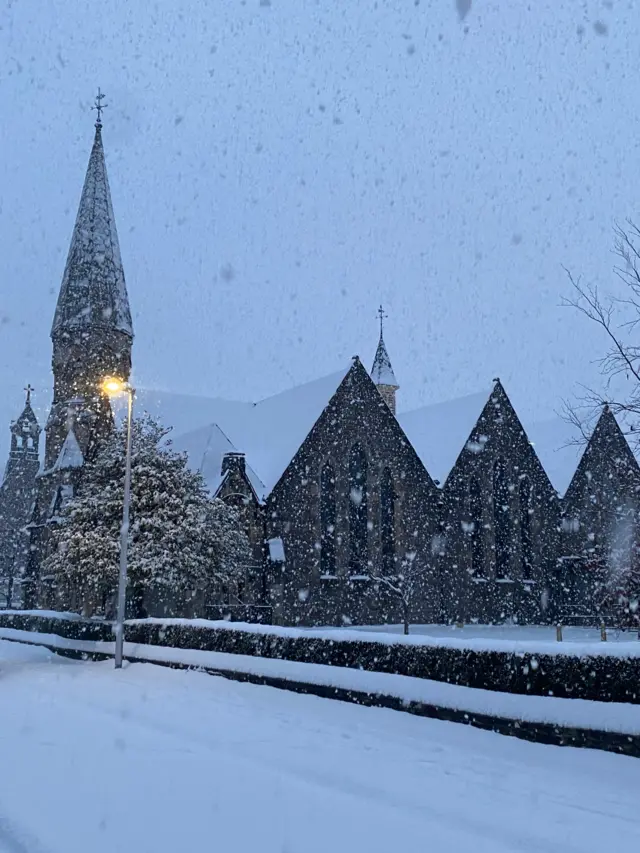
point(439, 432)
point(93, 290)
point(70, 455)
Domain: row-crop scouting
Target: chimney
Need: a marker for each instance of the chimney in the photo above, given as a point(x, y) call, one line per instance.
point(233, 462)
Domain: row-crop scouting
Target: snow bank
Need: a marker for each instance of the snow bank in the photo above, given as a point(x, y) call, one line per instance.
point(572, 713)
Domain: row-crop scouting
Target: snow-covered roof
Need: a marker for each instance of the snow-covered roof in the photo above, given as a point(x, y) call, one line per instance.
point(559, 458)
point(93, 290)
point(269, 432)
point(205, 448)
point(382, 372)
point(278, 425)
point(70, 455)
point(439, 432)
point(185, 412)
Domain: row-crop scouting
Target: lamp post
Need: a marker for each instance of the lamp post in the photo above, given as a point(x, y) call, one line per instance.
point(113, 387)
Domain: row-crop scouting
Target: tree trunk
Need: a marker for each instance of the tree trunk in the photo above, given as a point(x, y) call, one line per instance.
point(405, 614)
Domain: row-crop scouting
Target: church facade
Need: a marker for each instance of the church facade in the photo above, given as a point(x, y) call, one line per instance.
point(356, 514)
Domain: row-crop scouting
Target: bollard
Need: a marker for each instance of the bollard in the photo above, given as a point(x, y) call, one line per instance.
point(603, 632)
point(559, 632)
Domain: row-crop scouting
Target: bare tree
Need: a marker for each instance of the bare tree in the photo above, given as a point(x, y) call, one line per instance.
point(619, 317)
point(403, 584)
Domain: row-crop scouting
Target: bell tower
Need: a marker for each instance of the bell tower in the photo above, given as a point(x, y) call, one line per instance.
point(92, 336)
point(17, 492)
point(25, 438)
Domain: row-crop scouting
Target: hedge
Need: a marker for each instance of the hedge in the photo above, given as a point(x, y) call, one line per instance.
point(598, 677)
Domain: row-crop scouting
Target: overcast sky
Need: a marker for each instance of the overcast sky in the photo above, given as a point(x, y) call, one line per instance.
point(280, 167)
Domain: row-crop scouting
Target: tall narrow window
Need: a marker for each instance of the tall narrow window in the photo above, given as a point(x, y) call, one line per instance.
point(476, 528)
point(387, 521)
point(358, 552)
point(327, 521)
point(501, 520)
point(525, 527)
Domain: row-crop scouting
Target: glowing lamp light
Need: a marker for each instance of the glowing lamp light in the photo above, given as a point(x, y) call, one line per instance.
point(113, 386)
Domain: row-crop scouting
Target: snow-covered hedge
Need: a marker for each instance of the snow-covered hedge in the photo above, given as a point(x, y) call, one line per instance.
point(605, 678)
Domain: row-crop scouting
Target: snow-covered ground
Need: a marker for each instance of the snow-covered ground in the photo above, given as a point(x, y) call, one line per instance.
point(149, 759)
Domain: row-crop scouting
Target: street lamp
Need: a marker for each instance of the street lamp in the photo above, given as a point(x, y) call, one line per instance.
point(113, 387)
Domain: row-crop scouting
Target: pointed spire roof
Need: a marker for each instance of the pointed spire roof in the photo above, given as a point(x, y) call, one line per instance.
point(607, 449)
point(93, 291)
point(382, 372)
point(70, 455)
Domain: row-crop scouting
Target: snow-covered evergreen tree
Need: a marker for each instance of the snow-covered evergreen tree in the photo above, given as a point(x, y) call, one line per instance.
point(181, 540)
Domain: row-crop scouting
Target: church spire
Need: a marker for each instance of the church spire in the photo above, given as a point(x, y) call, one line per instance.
point(93, 291)
point(382, 371)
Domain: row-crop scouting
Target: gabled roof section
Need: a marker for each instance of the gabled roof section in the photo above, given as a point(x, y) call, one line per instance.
point(439, 432)
point(93, 291)
point(70, 455)
point(356, 391)
point(382, 372)
point(269, 432)
point(499, 419)
point(443, 433)
point(607, 451)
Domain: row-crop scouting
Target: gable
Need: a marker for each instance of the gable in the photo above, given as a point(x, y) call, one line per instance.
point(356, 393)
point(607, 456)
point(499, 432)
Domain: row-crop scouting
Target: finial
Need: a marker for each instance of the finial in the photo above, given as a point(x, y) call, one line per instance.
point(382, 315)
point(29, 389)
point(99, 106)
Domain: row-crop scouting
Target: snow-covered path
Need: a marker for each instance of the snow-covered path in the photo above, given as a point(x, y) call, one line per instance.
point(149, 759)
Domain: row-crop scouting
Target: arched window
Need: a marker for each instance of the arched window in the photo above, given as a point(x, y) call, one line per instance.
point(476, 528)
point(327, 520)
point(501, 519)
point(526, 511)
point(358, 552)
point(387, 520)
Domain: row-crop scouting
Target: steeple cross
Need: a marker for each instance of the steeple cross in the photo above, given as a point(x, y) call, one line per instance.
point(99, 106)
point(29, 389)
point(382, 315)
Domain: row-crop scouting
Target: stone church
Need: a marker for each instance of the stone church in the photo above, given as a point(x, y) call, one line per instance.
point(356, 512)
